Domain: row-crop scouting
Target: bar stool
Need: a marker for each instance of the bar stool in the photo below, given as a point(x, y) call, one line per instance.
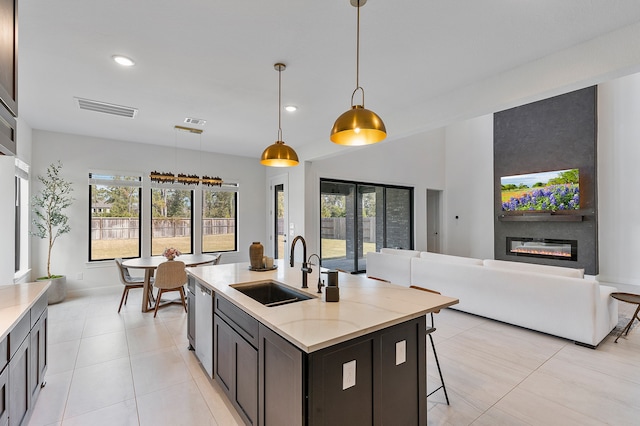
point(430, 329)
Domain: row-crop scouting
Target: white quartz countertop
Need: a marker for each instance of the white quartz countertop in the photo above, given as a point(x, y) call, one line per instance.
point(15, 302)
point(365, 305)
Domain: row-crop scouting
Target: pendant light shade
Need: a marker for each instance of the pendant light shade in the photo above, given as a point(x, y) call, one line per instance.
point(279, 154)
point(358, 126)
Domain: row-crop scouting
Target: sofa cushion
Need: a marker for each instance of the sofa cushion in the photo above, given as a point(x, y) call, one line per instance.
point(446, 258)
point(387, 267)
point(400, 252)
point(531, 267)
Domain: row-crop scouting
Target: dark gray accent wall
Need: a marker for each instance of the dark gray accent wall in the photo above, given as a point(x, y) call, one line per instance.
point(553, 134)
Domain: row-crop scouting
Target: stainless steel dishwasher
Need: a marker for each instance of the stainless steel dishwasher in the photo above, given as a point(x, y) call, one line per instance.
point(191, 316)
point(204, 327)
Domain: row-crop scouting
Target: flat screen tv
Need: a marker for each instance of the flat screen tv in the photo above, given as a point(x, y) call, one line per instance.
point(544, 191)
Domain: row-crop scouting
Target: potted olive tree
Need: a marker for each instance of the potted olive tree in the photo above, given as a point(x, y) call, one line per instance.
point(50, 222)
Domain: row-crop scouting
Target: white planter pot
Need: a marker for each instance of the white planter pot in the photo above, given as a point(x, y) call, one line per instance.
point(58, 289)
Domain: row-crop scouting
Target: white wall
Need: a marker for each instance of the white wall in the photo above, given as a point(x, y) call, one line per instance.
point(618, 178)
point(469, 188)
point(298, 205)
point(417, 161)
point(80, 155)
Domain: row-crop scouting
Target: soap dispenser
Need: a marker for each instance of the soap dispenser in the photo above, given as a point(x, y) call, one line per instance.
point(331, 291)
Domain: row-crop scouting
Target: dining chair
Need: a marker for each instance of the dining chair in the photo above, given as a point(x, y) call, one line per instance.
point(215, 261)
point(430, 329)
point(170, 276)
point(130, 282)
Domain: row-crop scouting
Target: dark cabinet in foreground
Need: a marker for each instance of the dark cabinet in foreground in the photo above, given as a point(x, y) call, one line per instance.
point(4, 396)
point(235, 357)
point(39, 355)
point(281, 380)
point(19, 393)
point(376, 379)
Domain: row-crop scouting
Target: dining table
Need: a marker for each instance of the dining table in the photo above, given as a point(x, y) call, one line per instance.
point(150, 264)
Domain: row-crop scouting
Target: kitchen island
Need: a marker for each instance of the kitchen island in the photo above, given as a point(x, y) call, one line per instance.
point(361, 360)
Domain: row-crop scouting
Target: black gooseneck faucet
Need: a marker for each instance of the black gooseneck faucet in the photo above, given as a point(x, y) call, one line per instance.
point(320, 284)
point(305, 266)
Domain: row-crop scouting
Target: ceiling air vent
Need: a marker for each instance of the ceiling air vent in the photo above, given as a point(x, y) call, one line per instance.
point(195, 121)
point(97, 106)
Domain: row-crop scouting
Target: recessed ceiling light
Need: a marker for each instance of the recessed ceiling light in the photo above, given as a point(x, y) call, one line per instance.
point(123, 60)
point(291, 108)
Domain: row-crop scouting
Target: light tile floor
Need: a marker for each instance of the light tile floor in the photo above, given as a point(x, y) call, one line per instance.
point(110, 369)
point(114, 369)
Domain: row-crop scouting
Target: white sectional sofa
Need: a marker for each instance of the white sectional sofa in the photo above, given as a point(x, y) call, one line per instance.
point(550, 299)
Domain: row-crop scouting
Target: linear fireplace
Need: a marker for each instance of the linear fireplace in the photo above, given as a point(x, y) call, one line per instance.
point(543, 247)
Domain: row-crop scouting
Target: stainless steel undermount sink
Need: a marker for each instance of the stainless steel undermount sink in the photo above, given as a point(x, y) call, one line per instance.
point(271, 293)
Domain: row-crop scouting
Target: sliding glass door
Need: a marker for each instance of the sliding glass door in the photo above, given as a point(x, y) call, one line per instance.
point(356, 218)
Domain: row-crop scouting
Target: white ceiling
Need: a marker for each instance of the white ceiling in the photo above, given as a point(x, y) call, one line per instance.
point(214, 59)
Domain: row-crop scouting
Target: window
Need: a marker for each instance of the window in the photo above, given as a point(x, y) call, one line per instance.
point(21, 216)
point(114, 205)
point(219, 216)
point(357, 218)
point(171, 219)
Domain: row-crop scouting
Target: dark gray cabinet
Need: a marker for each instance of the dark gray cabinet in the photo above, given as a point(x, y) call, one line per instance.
point(4, 387)
point(376, 379)
point(280, 382)
point(236, 369)
point(235, 357)
point(223, 343)
point(39, 356)
point(8, 75)
point(331, 402)
point(19, 375)
point(7, 132)
point(401, 390)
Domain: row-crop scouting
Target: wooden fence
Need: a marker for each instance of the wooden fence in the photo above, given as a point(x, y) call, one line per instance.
point(124, 228)
point(335, 228)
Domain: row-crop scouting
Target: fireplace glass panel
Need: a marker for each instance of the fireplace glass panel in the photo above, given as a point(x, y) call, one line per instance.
point(542, 247)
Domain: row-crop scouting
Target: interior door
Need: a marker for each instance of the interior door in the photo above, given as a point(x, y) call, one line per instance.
point(433, 220)
point(279, 214)
point(280, 228)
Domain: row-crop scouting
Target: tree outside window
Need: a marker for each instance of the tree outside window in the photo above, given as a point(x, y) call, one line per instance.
point(115, 216)
point(219, 215)
point(171, 220)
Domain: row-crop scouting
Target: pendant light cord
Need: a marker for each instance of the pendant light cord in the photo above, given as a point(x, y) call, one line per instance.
point(358, 48)
point(358, 59)
point(279, 103)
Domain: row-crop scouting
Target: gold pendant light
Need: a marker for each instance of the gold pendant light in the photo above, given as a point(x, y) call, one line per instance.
point(358, 126)
point(279, 154)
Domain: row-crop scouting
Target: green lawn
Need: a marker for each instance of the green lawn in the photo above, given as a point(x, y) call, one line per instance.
point(109, 249)
point(337, 249)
